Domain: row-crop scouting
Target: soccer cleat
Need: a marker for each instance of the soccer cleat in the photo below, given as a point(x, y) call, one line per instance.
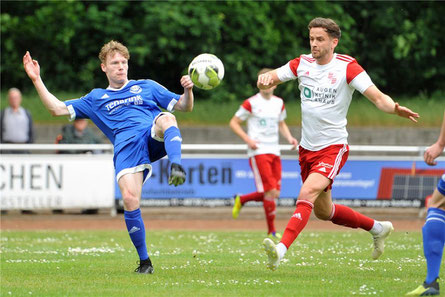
point(145, 267)
point(236, 206)
point(177, 175)
point(379, 239)
point(275, 236)
point(272, 254)
point(426, 289)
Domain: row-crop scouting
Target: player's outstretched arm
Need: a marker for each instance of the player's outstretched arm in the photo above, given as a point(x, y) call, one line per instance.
point(185, 102)
point(436, 148)
point(284, 129)
point(268, 80)
point(235, 125)
point(386, 104)
point(54, 105)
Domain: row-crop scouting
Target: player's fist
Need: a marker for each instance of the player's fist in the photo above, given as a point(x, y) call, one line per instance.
point(186, 82)
point(265, 81)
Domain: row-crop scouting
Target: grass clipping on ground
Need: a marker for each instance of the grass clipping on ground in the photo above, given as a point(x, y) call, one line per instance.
point(187, 263)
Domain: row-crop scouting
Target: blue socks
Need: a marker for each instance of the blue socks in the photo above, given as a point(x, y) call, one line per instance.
point(433, 241)
point(172, 143)
point(136, 230)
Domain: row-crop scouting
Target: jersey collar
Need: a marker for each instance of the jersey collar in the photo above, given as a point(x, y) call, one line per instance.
point(113, 89)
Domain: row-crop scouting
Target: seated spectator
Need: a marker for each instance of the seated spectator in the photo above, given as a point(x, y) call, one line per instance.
point(78, 133)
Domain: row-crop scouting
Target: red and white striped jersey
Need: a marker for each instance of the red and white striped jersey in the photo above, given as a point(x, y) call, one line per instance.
point(263, 116)
point(325, 92)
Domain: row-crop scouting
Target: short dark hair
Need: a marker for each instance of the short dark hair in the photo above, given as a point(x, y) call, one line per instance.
point(329, 25)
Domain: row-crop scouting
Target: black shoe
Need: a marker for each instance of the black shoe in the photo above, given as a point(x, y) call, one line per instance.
point(177, 175)
point(145, 267)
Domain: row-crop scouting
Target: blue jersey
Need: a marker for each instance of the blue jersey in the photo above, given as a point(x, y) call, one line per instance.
point(123, 113)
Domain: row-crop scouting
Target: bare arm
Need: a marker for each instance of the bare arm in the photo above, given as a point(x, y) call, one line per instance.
point(436, 148)
point(235, 124)
point(185, 102)
point(386, 104)
point(54, 105)
point(284, 129)
point(268, 80)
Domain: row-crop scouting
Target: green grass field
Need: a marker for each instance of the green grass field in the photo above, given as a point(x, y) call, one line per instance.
point(100, 263)
point(361, 112)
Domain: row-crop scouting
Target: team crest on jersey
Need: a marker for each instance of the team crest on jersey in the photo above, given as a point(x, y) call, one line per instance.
point(135, 89)
point(332, 78)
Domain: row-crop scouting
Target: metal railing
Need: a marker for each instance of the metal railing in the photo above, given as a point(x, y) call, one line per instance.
point(203, 147)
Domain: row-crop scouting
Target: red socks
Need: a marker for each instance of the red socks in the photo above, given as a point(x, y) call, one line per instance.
point(269, 210)
point(297, 222)
point(345, 216)
point(255, 196)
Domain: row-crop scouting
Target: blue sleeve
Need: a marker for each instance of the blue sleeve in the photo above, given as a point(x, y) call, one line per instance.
point(163, 97)
point(79, 108)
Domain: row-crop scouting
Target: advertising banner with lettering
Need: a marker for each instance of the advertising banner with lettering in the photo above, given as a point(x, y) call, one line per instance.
point(56, 181)
point(399, 181)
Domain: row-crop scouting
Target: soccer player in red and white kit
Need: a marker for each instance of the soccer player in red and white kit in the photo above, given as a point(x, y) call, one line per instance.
point(326, 81)
point(265, 115)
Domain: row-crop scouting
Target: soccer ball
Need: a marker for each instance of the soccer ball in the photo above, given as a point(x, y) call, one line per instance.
point(206, 71)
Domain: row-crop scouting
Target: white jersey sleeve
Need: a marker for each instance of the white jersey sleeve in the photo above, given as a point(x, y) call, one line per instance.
point(361, 82)
point(285, 73)
point(242, 113)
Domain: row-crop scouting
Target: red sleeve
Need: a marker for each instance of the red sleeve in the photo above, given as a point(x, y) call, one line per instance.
point(352, 70)
point(246, 105)
point(282, 107)
point(294, 65)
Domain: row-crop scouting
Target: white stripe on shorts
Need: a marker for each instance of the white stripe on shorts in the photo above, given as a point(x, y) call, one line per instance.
point(256, 175)
point(338, 159)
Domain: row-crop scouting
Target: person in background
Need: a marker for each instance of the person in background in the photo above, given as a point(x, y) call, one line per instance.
point(265, 114)
point(78, 133)
point(16, 124)
point(433, 231)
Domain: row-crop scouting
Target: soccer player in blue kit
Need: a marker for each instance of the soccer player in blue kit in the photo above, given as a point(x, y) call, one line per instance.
point(128, 113)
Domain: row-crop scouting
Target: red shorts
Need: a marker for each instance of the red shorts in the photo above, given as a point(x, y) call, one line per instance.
point(327, 161)
point(266, 172)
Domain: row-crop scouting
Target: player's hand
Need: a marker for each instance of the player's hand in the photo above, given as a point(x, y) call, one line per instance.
point(405, 112)
point(186, 82)
point(294, 143)
point(31, 66)
point(252, 144)
point(432, 153)
point(265, 81)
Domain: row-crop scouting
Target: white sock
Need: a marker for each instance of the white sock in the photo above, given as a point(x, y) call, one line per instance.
point(281, 249)
point(376, 228)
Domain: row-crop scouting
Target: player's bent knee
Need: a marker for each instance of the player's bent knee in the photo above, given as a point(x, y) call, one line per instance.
point(321, 214)
point(166, 120)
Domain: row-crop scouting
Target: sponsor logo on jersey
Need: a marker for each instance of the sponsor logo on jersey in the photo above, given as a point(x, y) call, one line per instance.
point(105, 96)
point(320, 94)
point(135, 100)
point(135, 89)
